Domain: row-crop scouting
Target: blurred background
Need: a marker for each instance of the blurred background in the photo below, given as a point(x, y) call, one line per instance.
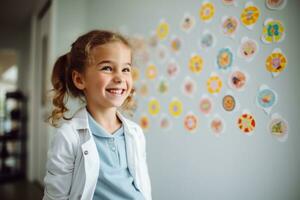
point(189, 56)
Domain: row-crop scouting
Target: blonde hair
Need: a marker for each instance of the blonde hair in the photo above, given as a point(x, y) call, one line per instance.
point(76, 60)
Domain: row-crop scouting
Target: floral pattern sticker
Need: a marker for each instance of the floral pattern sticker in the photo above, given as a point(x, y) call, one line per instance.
point(207, 11)
point(273, 31)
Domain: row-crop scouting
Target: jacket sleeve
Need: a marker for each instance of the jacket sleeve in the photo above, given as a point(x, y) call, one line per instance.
point(60, 166)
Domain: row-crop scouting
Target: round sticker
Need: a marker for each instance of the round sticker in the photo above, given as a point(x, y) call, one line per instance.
point(276, 62)
point(153, 107)
point(172, 69)
point(230, 26)
point(228, 2)
point(162, 30)
point(266, 98)
point(273, 31)
point(144, 122)
point(228, 103)
point(190, 122)
point(175, 108)
point(162, 53)
point(248, 49)
point(189, 86)
point(175, 44)
point(207, 11)
point(143, 89)
point(250, 15)
point(237, 80)
point(165, 122)
point(214, 84)
point(163, 86)
point(196, 64)
point(278, 127)
point(276, 4)
point(151, 72)
point(135, 73)
point(187, 23)
point(205, 105)
point(246, 123)
point(153, 40)
point(217, 126)
point(224, 58)
point(207, 40)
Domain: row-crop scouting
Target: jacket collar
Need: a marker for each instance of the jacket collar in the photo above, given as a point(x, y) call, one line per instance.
point(80, 120)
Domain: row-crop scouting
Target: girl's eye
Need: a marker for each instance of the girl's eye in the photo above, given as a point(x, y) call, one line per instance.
point(106, 68)
point(127, 69)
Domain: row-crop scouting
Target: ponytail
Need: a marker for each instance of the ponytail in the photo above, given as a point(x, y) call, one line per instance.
point(59, 79)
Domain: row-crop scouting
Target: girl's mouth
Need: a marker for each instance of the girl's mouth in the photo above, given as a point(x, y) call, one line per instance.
point(116, 91)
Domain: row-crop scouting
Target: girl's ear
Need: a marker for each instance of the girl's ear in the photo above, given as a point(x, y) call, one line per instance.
point(78, 80)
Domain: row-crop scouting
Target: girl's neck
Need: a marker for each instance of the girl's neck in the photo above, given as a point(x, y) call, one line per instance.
point(107, 118)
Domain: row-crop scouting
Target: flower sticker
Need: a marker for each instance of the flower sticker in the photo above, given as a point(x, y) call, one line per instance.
point(207, 11)
point(144, 122)
point(175, 44)
point(205, 104)
point(135, 72)
point(217, 125)
point(162, 30)
point(237, 80)
point(276, 62)
point(273, 31)
point(151, 72)
point(175, 107)
point(228, 103)
point(163, 86)
point(207, 40)
point(266, 98)
point(196, 64)
point(191, 122)
point(229, 25)
point(229, 2)
point(248, 49)
point(189, 86)
point(164, 122)
point(172, 68)
point(246, 123)
point(188, 22)
point(276, 4)
point(250, 15)
point(278, 127)
point(143, 91)
point(214, 84)
point(224, 58)
point(153, 106)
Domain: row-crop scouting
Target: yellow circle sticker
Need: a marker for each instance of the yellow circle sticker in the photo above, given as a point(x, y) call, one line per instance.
point(214, 84)
point(175, 108)
point(151, 72)
point(207, 11)
point(153, 107)
point(196, 64)
point(250, 15)
point(276, 62)
point(162, 30)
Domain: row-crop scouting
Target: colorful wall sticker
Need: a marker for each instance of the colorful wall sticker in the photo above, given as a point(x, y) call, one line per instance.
point(135, 73)
point(207, 40)
point(273, 31)
point(189, 87)
point(229, 25)
point(144, 122)
point(266, 98)
point(207, 11)
point(246, 123)
point(229, 2)
point(205, 104)
point(151, 72)
point(224, 58)
point(276, 62)
point(248, 49)
point(153, 106)
point(250, 15)
point(229, 103)
point(164, 122)
point(188, 22)
point(278, 127)
point(190, 122)
point(162, 31)
point(276, 4)
point(153, 40)
point(196, 63)
point(175, 44)
point(162, 53)
point(175, 107)
point(238, 79)
point(217, 125)
point(172, 68)
point(214, 84)
point(144, 90)
point(163, 86)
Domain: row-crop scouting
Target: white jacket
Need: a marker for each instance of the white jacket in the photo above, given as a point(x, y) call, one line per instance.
point(73, 161)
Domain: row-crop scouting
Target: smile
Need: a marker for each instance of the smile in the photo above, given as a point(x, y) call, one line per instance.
point(116, 91)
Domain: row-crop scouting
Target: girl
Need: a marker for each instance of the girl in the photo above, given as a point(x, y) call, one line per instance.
point(98, 153)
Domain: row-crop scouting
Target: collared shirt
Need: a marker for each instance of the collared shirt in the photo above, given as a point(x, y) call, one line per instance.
point(114, 181)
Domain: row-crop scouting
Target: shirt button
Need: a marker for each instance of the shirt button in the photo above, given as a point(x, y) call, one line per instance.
point(86, 152)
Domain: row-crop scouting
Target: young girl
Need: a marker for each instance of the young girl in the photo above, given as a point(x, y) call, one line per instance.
point(98, 153)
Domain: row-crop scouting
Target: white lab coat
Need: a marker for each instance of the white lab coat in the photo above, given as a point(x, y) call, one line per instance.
point(73, 161)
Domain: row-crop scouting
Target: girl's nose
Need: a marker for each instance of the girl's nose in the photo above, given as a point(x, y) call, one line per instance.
point(118, 78)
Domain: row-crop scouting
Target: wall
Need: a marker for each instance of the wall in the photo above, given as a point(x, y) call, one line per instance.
point(199, 165)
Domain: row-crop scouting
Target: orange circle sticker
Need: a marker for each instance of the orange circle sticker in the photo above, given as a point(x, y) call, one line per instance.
point(246, 123)
point(190, 122)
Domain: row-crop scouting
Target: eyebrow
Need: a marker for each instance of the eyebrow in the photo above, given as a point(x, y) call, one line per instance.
point(111, 62)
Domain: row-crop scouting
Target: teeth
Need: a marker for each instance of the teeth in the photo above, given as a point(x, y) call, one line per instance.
point(115, 91)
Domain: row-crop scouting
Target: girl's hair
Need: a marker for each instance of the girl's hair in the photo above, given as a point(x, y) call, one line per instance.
point(76, 60)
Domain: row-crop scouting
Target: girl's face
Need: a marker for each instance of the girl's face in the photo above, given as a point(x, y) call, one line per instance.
point(107, 80)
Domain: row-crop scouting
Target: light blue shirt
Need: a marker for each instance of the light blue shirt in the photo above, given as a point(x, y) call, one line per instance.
point(115, 181)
